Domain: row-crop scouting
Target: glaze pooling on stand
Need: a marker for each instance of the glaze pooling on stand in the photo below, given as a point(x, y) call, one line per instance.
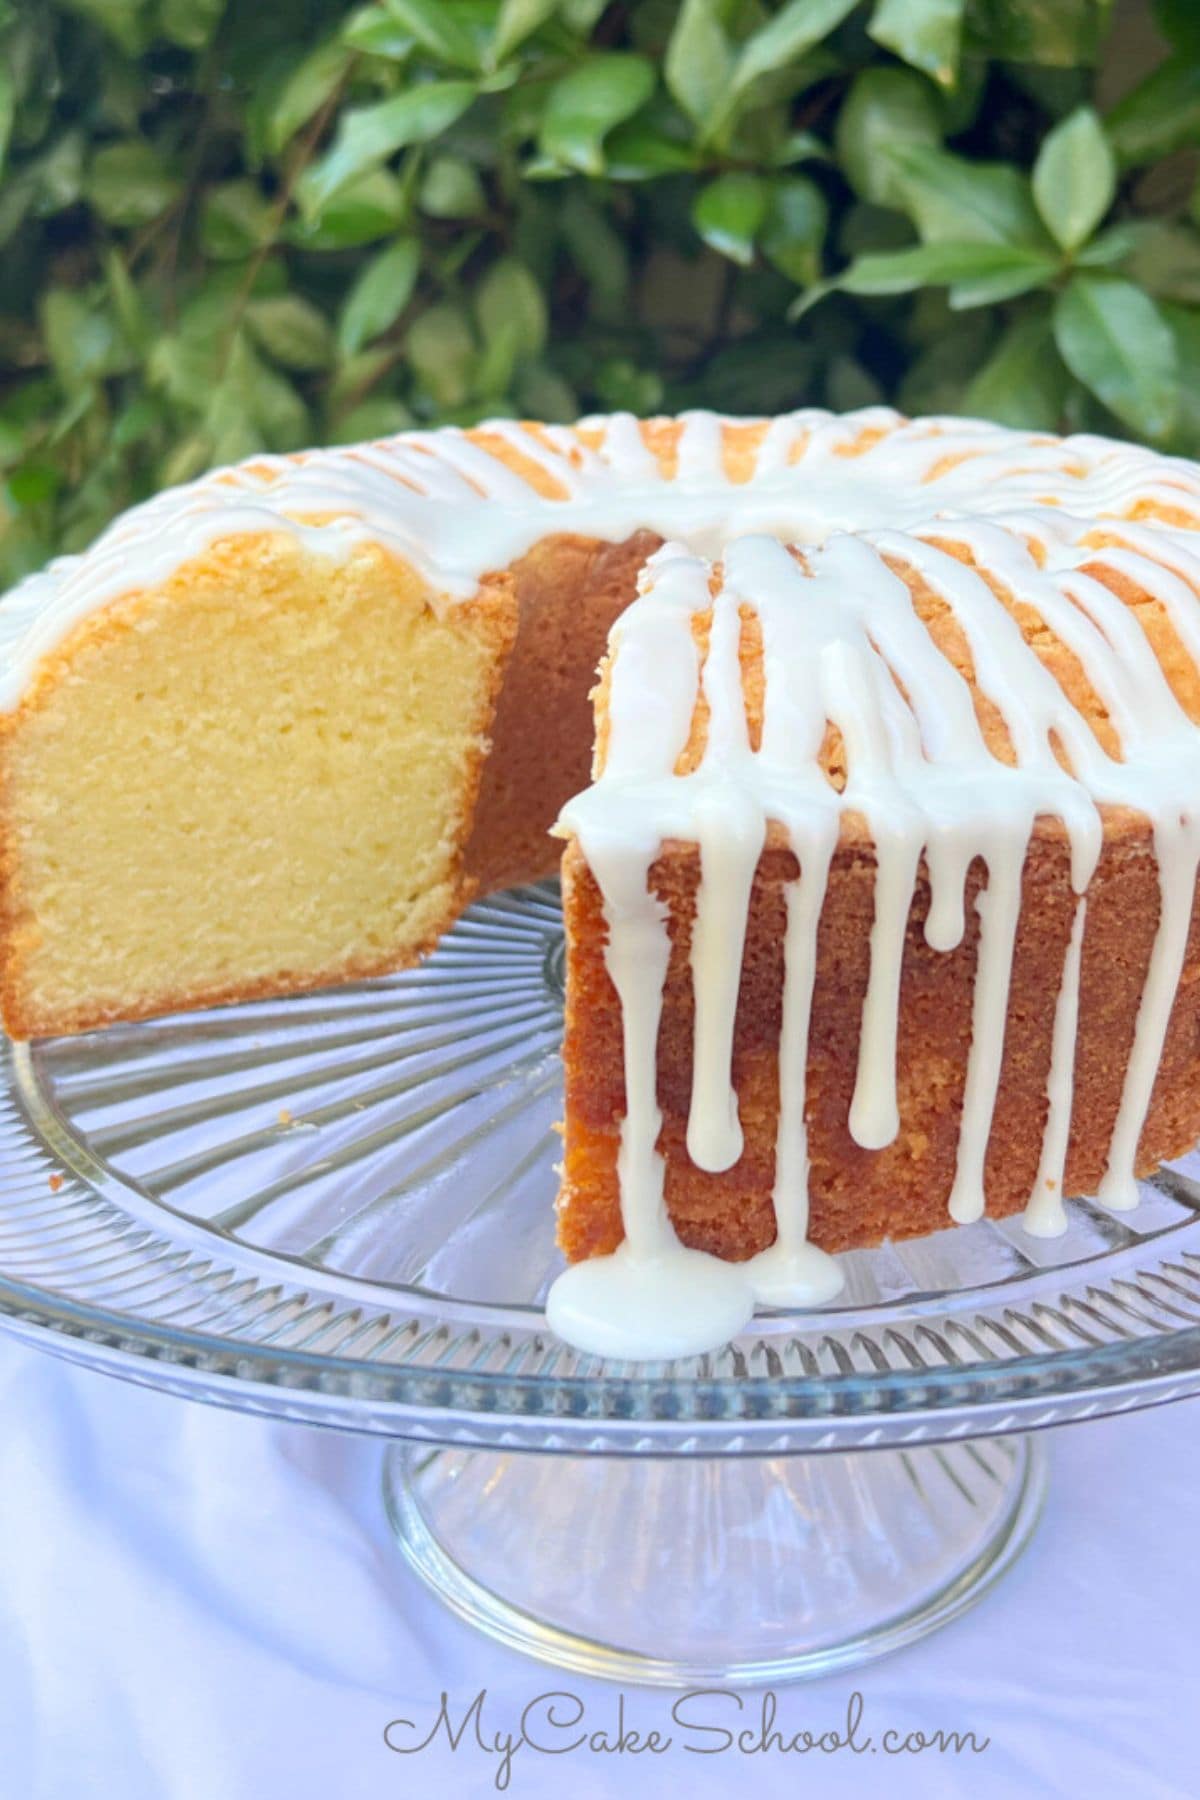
point(871, 500)
point(843, 644)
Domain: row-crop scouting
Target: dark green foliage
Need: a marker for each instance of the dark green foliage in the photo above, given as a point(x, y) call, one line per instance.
point(230, 226)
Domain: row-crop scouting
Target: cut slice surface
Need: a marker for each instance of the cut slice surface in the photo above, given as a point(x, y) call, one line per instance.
point(253, 778)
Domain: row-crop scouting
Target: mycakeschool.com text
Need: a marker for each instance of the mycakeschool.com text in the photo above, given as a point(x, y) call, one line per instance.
point(699, 1722)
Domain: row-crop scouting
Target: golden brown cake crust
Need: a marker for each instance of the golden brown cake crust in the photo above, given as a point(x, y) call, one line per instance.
point(859, 1196)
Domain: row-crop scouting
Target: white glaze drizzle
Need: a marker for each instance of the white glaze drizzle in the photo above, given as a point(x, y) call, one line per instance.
point(843, 643)
point(871, 493)
point(652, 1297)
point(454, 510)
point(1045, 1215)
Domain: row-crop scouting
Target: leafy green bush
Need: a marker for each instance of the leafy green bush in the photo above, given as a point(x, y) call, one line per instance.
point(232, 225)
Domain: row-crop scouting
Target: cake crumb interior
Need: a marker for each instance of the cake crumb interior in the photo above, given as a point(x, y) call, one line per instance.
point(269, 759)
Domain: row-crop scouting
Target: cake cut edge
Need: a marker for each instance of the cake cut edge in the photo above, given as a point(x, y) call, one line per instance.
point(305, 829)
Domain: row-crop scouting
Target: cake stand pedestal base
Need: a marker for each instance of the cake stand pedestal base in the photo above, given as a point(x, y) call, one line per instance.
point(698, 1570)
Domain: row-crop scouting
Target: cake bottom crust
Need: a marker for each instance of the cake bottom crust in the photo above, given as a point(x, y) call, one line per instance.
point(859, 1197)
point(23, 1023)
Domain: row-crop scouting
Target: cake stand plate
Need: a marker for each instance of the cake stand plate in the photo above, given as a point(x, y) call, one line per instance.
point(336, 1209)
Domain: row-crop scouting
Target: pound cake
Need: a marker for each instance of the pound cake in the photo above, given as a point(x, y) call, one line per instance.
point(879, 905)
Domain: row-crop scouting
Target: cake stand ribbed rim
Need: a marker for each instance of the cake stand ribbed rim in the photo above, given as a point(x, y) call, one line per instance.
point(756, 1414)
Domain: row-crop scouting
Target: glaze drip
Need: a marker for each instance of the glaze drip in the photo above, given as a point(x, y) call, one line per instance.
point(845, 645)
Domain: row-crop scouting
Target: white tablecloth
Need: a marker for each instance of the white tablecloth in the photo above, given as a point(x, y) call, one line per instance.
point(200, 1606)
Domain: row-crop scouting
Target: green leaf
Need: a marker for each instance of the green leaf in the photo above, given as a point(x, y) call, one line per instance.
point(500, 81)
point(799, 146)
point(541, 168)
point(509, 298)
point(496, 367)
point(48, 184)
point(1115, 341)
point(1161, 115)
point(268, 398)
point(729, 214)
point(622, 387)
point(699, 61)
point(1164, 259)
point(304, 92)
point(939, 265)
point(1179, 21)
point(370, 134)
point(12, 444)
point(190, 457)
point(190, 23)
point(370, 30)
point(1056, 33)
point(1185, 324)
point(33, 484)
point(795, 28)
point(379, 416)
point(131, 314)
point(954, 200)
point(598, 94)
point(130, 183)
point(543, 394)
point(925, 33)
point(866, 228)
point(597, 250)
point(516, 21)
point(184, 372)
point(8, 107)
point(292, 331)
point(963, 103)
point(579, 16)
point(436, 27)
point(637, 152)
point(136, 422)
point(884, 110)
point(450, 189)
point(236, 220)
point(1028, 269)
point(356, 374)
point(794, 231)
point(121, 19)
point(462, 248)
point(79, 337)
point(442, 350)
point(1108, 246)
point(380, 295)
point(1074, 178)
point(366, 209)
point(1023, 382)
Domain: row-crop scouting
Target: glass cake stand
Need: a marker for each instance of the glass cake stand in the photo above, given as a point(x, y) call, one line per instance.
point(336, 1209)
